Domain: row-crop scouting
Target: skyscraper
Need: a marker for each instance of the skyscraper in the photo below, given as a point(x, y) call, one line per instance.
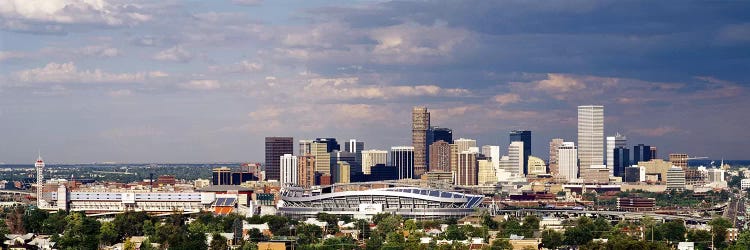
point(590, 136)
point(493, 152)
point(444, 134)
point(440, 156)
point(467, 169)
point(342, 173)
point(354, 146)
point(620, 160)
point(553, 159)
point(304, 147)
point(641, 153)
point(525, 137)
point(39, 166)
point(486, 172)
point(516, 153)
point(464, 144)
point(613, 142)
point(567, 156)
point(373, 157)
point(275, 148)
point(331, 144)
point(420, 120)
point(322, 157)
point(288, 166)
point(536, 166)
point(306, 167)
point(403, 158)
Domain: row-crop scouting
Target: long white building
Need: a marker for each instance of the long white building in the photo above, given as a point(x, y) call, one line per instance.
point(567, 160)
point(590, 135)
point(288, 169)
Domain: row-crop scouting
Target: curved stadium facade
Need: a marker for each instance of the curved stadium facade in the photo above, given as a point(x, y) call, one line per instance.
point(366, 199)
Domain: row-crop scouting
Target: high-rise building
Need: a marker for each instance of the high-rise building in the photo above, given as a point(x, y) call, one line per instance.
point(590, 136)
point(641, 153)
point(679, 160)
point(632, 174)
point(442, 134)
point(373, 157)
point(620, 160)
point(486, 172)
point(464, 144)
point(288, 166)
point(467, 169)
point(39, 166)
point(516, 153)
point(304, 147)
point(454, 158)
point(493, 152)
point(322, 157)
point(440, 156)
point(420, 119)
point(342, 173)
point(675, 178)
point(403, 158)
point(525, 137)
point(306, 167)
point(553, 147)
point(352, 159)
point(567, 160)
point(613, 142)
point(653, 152)
point(221, 176)
point(354, 146)
point(275, 148)
point(536, 166)
point(331, 144)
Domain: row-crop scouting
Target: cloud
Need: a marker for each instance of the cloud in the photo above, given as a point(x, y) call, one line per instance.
point(10, 55)
point(559, 83)
point(69, 73)
point(505, 99)
point(201, 85)
point(243, 66)
point(120, 93)
point(175, 54)
point(248, 2)
point(54, 15)
point(656, 132)
point(100, 51)
point(349, 88)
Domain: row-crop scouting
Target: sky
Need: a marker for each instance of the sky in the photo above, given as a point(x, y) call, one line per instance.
point(205, 81)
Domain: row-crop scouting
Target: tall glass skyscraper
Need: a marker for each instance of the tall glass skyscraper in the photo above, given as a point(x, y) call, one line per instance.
point(525, 137)
point(641, 153)
point(275, 148)
point(420, 124)
point(403, 158)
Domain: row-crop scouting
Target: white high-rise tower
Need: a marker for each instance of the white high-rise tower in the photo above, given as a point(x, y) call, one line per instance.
point(613, 142)
point(590, 136)
point(39, 165)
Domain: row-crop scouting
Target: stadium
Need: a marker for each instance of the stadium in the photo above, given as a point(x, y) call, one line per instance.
point(362, 200)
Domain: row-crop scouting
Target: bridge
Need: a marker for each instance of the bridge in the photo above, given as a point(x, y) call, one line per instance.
point(617, 214)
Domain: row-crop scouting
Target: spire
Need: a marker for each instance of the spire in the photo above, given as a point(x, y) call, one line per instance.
point(39, 157)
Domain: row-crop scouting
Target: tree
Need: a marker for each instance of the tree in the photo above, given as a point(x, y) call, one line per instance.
point(719, 227)
point(489, 222)
point(307, 234)
point(388, 224)
point(530, 224)
point(130, 223)
point(81, 232)
point(510, 226)
point(33, 219)
point(552, 239)
point(453, 232)
point(364, 228)
point(742, 243)
point(129, 245)
point(54, 223)
point(410, 225)
point(602, 227)
point(108, 234)
point(146, 244)
point(218, 242)
point(148, 228)
point(673, 231)
point(394, 241)
point(501, 244)
point(702, 238)
point(581, 234)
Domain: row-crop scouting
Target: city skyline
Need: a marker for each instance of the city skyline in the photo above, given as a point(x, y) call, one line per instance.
point(135, 83)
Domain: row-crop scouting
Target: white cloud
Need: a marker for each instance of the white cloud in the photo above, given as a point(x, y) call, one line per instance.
point(414, 43)
point(505, 99)
point(100, 51)
point(345, 88)
point(120, 93)
point(176, 54)
point(69, 73)
point(201, 85)
point(243, 66)
point(9, 55)
point(50, 14)
point(560, 83)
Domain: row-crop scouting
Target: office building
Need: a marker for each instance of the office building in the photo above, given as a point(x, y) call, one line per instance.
point(440, 156)
point(567, 160)
point(304, 147)
point(373, 157)
point(486, 174)
point(596, 174)
point(351, 158)
point(289, 172)
point(403, 158)
point(442, 134)
point(306, 167)
point(331, 144)
point(679, 160)
point(641, 153)
point(354, 146)
point(322, 157)
point(590, 136)
point(493, 152)
point(464, 144)
point(221, 176)
point(632, 174)
point(525, 137)
point(553, 148)
point(516, 153)
point(381, 172)
point(675, 179)
point(613, 142)
point(420, 119)
point(620, 160)
point(653, 152)
point(536, 166)
point(715, 175)
point(275, 148)
point(656, 170)
point(454, 158)
point(467, 169)
point(342, 173)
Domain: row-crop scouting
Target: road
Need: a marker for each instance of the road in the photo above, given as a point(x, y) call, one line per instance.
point(736, 211)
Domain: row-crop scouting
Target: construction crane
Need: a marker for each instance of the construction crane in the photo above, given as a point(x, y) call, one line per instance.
point(696, 158)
